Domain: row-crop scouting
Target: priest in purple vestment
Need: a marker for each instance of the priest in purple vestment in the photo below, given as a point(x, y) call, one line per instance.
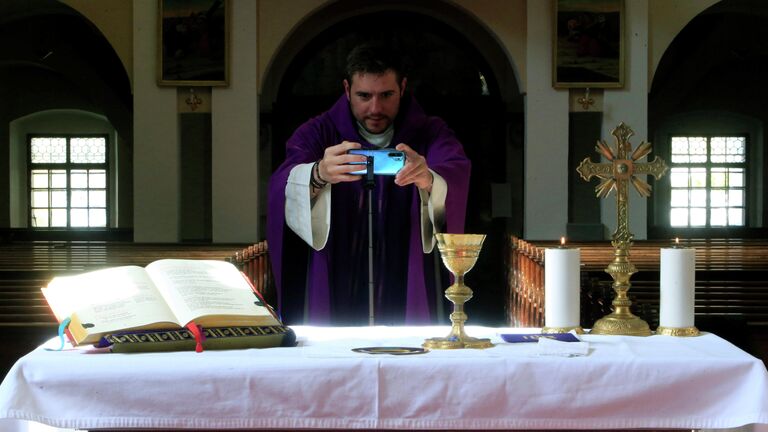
point(318, 215)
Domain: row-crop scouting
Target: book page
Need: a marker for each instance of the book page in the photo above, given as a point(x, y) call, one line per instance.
point(195, 288)
point(110, 299)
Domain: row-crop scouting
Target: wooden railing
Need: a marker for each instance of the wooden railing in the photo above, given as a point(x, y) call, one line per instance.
point(526, 284)
point(731, 280)
point(253, 261)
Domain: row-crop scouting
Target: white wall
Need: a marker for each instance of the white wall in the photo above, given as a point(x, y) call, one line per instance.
point(155, 137)
point(546, 147)
point(235, 136)
point(630, 105)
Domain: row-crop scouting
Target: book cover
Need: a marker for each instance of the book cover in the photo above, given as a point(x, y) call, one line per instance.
point(217, 338)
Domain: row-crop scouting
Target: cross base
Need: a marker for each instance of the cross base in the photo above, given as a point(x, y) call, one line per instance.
point(621, 321)
point(626, 324)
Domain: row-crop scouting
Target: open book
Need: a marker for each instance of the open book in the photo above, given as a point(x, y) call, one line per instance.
point(166, 294)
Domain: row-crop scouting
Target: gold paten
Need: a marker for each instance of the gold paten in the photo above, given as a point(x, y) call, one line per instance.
point(677, 331)
point(616, 174)
point(459, 253)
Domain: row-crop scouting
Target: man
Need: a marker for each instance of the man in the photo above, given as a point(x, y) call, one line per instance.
point(313, 196)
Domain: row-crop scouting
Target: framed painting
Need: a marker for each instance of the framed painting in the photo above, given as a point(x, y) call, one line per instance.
point(193, 43)
point(588, 44)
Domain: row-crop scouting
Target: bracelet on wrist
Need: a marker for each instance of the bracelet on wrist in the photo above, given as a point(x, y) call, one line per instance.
point(315, 180)
point(317, 171)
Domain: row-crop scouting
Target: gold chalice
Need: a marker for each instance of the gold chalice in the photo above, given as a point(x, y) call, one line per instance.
point(459, 253)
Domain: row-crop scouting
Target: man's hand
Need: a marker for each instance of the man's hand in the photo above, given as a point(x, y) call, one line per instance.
point(415, 170)
point(334, 167)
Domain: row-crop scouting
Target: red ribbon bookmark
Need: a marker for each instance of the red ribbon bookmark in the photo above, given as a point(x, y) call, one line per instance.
point(197, 332)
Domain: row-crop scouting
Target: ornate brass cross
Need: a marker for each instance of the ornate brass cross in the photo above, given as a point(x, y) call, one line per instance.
point(621, 168)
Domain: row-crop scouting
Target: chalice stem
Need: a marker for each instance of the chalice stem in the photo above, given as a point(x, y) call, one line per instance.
point(457, 323)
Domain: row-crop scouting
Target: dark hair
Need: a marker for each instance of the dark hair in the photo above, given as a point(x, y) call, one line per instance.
point(375, 58)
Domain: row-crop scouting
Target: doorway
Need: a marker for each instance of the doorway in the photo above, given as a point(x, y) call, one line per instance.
point(451, 79)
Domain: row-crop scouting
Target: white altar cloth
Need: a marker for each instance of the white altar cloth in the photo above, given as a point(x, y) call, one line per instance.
point(623, 382)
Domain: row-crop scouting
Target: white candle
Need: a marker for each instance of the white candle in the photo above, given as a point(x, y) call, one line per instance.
point(561, 287)
point(678, 270)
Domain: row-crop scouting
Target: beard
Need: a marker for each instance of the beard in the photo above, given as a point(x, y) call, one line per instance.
point(377, 124)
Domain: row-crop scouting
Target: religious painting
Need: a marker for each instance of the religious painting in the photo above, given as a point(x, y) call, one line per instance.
point(193, 42)
point(588, 44)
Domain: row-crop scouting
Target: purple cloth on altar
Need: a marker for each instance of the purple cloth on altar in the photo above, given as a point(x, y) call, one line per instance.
point(331, 285)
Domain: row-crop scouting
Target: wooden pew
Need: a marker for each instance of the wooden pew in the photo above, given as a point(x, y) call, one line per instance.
point(76, 256)
point(526, 282)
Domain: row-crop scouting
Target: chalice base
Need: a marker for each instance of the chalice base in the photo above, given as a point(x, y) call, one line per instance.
point(677, 331)
point(624, 324)
point(453, 343)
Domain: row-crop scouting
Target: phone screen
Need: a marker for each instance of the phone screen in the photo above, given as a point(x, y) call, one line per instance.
point(385, 162)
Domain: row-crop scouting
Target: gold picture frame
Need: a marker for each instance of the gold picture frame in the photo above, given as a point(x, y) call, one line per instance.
point(193, 42)
point(588, 44)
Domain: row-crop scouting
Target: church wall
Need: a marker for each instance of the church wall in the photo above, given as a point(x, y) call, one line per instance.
point(507, 21)
point(276, 20)
point(523, 28)
point(114, 19)
point(546, 148)
point(156, 138)
point(234, 113)
point(235, 136)
point(506, 18)
point(629, 105)
point(666, 19)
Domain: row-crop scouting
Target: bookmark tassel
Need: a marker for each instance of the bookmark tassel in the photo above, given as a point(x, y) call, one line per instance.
point(63, 326)
point(197, 332)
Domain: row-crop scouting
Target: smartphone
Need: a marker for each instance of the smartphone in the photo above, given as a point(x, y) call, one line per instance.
point(385, 162)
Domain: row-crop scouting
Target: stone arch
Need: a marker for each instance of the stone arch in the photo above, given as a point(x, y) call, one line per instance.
point(326, 17)
point(713, 74)
point(460, 72)
point(52, 57)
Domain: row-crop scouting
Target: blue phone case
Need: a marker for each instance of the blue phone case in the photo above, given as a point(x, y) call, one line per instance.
point(385, 162)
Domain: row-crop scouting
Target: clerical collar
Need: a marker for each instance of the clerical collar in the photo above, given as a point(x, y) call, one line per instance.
point(379, 140)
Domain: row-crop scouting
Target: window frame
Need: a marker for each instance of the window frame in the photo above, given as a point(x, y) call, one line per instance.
point(709, 167)
point(68, 166)
point(659, 225)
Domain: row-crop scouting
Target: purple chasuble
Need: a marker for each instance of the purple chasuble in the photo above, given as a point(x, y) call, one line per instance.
point(331, 285)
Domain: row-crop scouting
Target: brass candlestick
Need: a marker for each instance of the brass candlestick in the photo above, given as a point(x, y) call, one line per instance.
point(616, 174)
point(459, 253)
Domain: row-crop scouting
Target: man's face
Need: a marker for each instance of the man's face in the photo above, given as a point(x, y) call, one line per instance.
point(375, 99)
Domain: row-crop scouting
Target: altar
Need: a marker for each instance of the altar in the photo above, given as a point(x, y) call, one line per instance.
point(622, 382)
